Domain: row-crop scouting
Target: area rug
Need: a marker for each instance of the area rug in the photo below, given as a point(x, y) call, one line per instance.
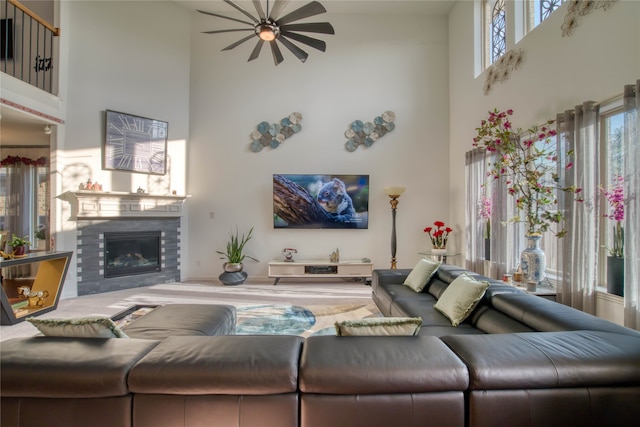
point(298, 320)
point(302, 308)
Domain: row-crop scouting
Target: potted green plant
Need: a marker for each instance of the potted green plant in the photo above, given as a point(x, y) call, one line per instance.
point(19, 244)
point(234, 252)
point(41, 236)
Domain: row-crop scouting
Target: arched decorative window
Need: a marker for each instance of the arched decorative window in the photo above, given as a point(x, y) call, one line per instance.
point(498, 30)
point(542, 9)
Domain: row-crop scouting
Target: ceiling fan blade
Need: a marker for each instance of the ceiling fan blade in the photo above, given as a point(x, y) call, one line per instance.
point(299, 53)
point(278, 7)
point(241, 10)
point(277, 55)
point(310, 9)
point(239, 42)
point(311, 27)
point(225, 17)
point(256, 50)
point(309, 41)
point(228, 31)
point(258, 6)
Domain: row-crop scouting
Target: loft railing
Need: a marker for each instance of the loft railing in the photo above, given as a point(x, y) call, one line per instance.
point(28, 46)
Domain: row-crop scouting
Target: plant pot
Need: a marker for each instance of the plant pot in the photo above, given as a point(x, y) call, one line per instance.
point(439, 251)
point(615, 275)
point(232, 267)
point(233, 279)
point(19, 250)
point(533, 261)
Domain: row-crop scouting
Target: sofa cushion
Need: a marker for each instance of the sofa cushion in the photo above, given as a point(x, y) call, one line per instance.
point(58, 367)
point(460, 298)
point(421, 273)
point(375, 326)
point(226, 365)
point(184, 319)
point(379, 365)
point(537, 360)
point(78, 327)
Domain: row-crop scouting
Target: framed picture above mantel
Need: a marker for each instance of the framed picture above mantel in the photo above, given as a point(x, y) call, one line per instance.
point(135, 144)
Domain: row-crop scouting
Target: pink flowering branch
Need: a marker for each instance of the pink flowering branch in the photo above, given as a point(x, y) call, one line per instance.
point(527, 160)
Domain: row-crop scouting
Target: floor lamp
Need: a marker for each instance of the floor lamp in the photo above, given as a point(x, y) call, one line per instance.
point(394, 193)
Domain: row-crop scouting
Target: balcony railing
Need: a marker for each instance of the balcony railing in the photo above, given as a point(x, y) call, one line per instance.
point(28, 46)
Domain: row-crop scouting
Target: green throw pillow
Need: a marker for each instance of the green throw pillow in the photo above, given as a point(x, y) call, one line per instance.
point(460, 298)
point(80, 327)
point(421, 274)
point(379, 326)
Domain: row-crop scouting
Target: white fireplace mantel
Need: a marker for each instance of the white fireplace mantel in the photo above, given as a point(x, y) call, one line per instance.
point(111, 204)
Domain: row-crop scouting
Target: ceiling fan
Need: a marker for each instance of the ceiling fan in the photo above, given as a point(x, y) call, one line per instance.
point(269, 27)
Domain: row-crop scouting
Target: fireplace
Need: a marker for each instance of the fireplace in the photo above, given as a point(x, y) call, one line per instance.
point(130, 253)
point(110, 225)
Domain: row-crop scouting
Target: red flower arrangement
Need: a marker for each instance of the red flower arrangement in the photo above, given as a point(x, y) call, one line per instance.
point(12, 160)
point(438, 235)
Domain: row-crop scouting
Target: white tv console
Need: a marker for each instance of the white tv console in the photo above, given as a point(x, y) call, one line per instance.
point(320, 269)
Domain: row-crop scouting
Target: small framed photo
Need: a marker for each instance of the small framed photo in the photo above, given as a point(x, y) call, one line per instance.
point(135, 144)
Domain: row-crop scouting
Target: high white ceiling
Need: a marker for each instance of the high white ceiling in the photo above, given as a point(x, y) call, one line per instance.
point(384, 7)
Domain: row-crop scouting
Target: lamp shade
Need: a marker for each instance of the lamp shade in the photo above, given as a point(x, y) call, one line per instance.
point(394, 190)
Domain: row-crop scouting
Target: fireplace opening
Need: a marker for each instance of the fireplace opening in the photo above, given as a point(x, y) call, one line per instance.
point(129, 253)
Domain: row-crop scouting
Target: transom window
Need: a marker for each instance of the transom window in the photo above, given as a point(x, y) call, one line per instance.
point(542, 9)
point(497, 29)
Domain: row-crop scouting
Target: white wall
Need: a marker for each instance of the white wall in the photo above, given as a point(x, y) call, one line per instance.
point(131, 57)
point(372, 64)
point(594, 63)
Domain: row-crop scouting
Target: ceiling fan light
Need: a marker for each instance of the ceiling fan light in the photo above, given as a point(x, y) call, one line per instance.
point(266, 34)
point(267, 31)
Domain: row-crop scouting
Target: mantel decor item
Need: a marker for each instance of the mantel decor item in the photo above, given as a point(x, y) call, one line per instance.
point(135, 144)
point(527, 161)
point(394, 192)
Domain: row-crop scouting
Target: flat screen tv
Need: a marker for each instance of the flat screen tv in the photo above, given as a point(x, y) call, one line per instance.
point(320, 201)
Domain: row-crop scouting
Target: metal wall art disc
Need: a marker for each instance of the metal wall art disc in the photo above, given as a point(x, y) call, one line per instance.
point(368, 133)
point(274, 134)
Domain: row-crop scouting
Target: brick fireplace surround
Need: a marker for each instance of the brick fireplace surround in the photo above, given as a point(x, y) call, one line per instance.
point(96, 213)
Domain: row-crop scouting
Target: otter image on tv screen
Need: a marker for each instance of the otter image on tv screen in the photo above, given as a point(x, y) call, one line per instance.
point(320, 201)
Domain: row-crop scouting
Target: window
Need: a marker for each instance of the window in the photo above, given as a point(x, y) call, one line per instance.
point(539, 10)
point(496, 29)
point(612, 130)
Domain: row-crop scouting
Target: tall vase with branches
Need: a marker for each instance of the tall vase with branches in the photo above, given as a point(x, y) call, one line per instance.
point(527, 160)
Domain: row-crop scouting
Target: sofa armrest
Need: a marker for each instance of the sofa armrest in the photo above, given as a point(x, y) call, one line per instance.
point(389, 276)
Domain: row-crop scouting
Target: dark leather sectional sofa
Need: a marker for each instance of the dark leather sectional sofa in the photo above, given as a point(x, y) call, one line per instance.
point(518, 360)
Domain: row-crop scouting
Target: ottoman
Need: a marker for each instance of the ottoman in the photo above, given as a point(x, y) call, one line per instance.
point(184, 319)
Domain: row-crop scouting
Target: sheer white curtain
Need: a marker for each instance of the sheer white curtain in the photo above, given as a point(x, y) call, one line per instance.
point(475, 165)
point(632, 206)
point(506, 242)
point(578, 274)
